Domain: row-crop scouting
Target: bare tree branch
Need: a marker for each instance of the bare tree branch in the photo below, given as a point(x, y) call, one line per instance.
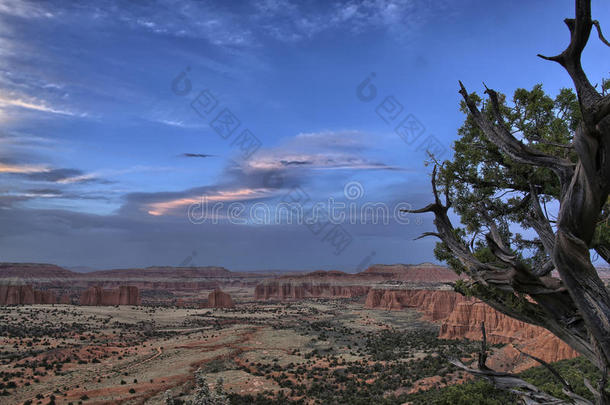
point(599, 33)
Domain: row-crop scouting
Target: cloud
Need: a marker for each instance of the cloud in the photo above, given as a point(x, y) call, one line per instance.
point(62, 175)
point(225, 196)
point(25, 141)
point(44, 173)
point(171, 123)
point(326, 150)
point(197, 155)
point(37, 106)
point(22, 169)
point(247, 25)
point(24, 9)
point(269, 173)
point(320, 161)
point(291, 21)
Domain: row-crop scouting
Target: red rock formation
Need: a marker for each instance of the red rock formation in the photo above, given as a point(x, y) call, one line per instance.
point(461, 319)
point(465, 322)
point(25, 295)
point(544, 346)
point(124, 295)
point(413, 273)
point(291, 290)
point(435, 304)
point(32, 272)
point(172, 279)
point(219, 299)
point(337, 284)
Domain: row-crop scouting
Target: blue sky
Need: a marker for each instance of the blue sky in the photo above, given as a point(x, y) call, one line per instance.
point(100, 159)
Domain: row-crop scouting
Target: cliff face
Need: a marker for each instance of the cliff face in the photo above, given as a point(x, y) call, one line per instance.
point(337, 284)
point(290, 289)
point(25, 295)
point(418, 273)
point(35, 272)
point(461, 318)
point(465, 322)
point(435, 304)
point(171, 279)
point(124, 295)
point(219, 299)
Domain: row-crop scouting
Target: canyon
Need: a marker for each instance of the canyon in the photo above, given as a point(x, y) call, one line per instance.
point(423, 287)
point(461, 317)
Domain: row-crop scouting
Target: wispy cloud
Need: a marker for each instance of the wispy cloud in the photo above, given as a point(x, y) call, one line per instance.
point(37, 106)
point(61, 175)
point(171, 123)
point(22, 168)
point(292, 21)
point(247, 25)
point(165, 207)
point(320, 151)
point(24, 9)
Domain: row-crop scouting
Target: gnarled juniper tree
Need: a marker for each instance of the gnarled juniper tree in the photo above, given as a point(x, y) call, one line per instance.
point(512, 165)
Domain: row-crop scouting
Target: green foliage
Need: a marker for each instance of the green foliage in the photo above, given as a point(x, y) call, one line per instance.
point(477, 392)
point(482, 179)
point(573, 370)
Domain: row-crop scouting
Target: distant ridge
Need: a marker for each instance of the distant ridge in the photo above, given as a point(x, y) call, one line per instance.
point(28, 271)
point(424, 272)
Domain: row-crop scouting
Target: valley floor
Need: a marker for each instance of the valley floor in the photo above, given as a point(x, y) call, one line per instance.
point(312, 351)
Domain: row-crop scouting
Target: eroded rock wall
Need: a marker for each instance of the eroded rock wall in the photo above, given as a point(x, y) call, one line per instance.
point(25, 295)
point(124, 295)
point(220, 299)
point(461, 318)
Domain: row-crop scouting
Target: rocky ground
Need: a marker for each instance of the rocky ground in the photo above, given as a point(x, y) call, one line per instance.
point(295, 350)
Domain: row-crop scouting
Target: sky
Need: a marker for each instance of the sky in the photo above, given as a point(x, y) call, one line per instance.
point(174, 133)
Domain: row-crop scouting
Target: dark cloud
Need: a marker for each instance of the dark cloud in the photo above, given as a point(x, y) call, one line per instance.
point(54, 175)
point(45, 191)
point(197, 155)
point(295, 162)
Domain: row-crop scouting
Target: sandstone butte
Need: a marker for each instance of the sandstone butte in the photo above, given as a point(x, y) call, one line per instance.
point(461, 318)
point(25, 295)
point(124, 295)
point(219, 299)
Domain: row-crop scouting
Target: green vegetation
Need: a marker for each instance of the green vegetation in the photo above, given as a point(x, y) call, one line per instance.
point(477, 392)
point(572, 370)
